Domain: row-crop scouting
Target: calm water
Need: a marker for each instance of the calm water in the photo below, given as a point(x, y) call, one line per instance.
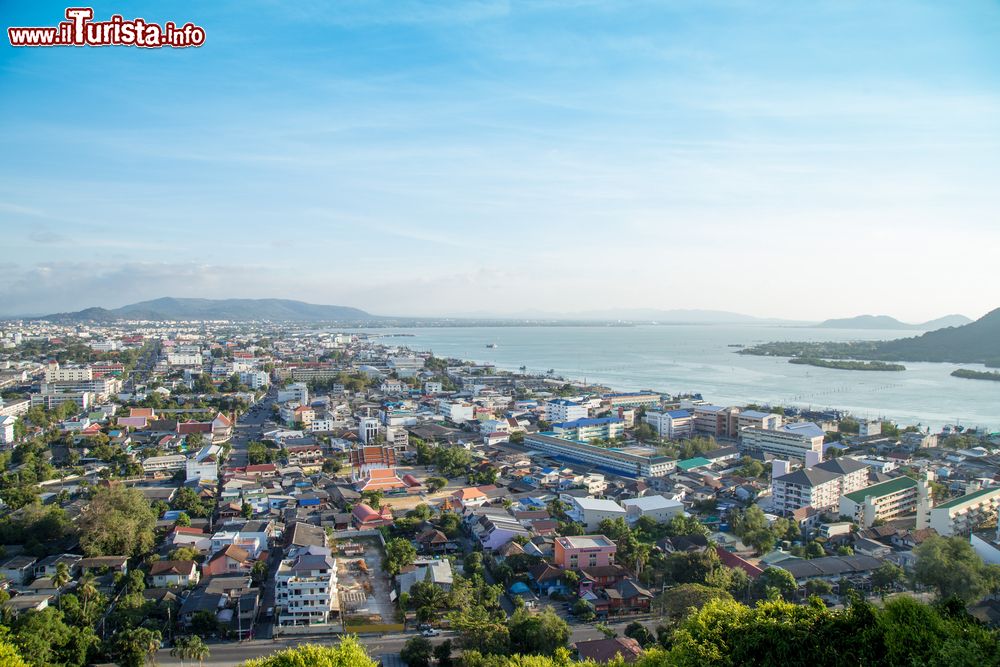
point(697, 358)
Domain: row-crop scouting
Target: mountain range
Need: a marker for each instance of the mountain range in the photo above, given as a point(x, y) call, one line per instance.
point(886, 322)
point(170, 308)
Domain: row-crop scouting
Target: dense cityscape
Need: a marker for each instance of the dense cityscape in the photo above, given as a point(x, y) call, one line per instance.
point(219, 491)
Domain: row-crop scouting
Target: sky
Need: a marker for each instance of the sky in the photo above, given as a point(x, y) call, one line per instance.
point(790, 159)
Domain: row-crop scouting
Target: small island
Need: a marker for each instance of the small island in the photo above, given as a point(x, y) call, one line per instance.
point(844, 365)
point(976, 375)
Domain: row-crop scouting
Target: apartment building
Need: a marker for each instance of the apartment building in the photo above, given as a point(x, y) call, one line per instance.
point(56, 373)
point(820, 486)
point(602, 428)
point(457, 412)
point(162, 464)
point(562, 411)
point(962, 515)
point(788, 441)
point(255, 379)
point(673, 424)
point(305, 587)
point(886, 500)
point(635, 399)
point(297, 392)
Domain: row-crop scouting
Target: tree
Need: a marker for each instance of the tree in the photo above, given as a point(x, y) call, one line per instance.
point(682, 524)
point(442, 653)
point(887, 576)
point(678, 602)
point(190, 647)
point(118, 521)
point(61, 577)
point(399, 553)
point(134, 647)
point(435, 484)
point(184, 553)
point(450, 523)
point(473, 564)
point(9, 657)
point(258, 573)
point(416, 652)
point(183, 520)
point(86, 588)
point(583, 610)
point(188, 501)
point(777, 580)
point(819, 587)
point(348, 653)
point(638, 632)
point(46, 639)
point(372, 498)
point(540, 633)
point(952, 567)
point(481, 629)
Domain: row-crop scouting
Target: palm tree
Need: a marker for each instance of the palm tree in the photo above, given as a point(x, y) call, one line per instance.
point(87, 589)
point(190, 647)
point(60, 579)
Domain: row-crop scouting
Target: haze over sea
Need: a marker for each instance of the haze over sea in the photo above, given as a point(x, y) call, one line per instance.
point(697, 359)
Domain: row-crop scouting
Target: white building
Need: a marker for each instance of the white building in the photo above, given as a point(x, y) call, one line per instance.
point(168, 463)
point(788, 441)
point(56, 373)
point(886, 500)
point(7, 431)
point(672, 424)
point(297, 392)
point(433, 387)
point(658, 508)
point(563, 410)
point(820, 486)
point(962, 515)
point(592, 511)
point(457, 412)
point(305, 587)
point(255, 379)
point(368, 428)
point(204, 464)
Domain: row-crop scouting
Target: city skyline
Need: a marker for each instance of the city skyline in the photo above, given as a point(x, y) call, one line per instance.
point(497, 157)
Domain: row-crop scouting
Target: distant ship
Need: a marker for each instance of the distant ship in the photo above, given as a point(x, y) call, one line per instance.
point(491, 345)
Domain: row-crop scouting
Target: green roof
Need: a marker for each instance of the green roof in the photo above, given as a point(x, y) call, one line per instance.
point(969, 496)
point(696, 462)
point(882, 489)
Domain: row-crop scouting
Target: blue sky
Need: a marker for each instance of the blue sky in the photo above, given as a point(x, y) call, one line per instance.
point(797, 160)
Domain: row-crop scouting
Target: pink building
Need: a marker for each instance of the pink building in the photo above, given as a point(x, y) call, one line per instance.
point(574, 553)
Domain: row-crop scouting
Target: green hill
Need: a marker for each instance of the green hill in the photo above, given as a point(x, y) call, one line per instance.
point(169, 308)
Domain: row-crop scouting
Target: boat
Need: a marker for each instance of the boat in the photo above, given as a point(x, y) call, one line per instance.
point(492, 345)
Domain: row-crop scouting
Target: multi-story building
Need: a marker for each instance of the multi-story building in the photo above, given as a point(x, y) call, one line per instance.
point(628, 461)
point(7, 431)
point(601, 428)
point(636, 399)
point(305, 587)
point(788, 441)
point(672, 424)
point(757, 419)
point(563, 410)
point(255, 379)
point(297, 392)
point(885, 500)
point(820, 486)
point(658, 508)
point(962, 515)
point(433, 387)
point(204, 464)
point(583, 551)
point(161, 464)
point(457, 412)
point(368, 428)
point(56, 373)
point(83, 399)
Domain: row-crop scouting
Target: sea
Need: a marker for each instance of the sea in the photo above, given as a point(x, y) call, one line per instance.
point(704, 359)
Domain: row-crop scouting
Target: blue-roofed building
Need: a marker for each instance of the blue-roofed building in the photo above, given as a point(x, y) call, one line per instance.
point(562, 410)
point(671, 423)
point(602, 428)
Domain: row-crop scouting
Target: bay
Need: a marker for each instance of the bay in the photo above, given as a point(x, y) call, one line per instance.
point(698, 359)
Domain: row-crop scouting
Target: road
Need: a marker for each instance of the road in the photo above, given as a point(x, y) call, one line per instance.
point(230, 653)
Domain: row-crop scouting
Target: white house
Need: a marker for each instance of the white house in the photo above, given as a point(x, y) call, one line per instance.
point(661, 509)
point(592, 511)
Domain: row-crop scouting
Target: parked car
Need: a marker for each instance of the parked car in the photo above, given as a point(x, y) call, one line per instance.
point(430, 632)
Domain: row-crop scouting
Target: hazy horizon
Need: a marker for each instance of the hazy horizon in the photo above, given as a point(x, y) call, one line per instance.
point(797, 161)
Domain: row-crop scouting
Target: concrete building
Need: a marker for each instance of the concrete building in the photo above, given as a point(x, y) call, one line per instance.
point(634, 399)
point(962, 515)
point(562, 410)
point(658, 508)
point(592, 511)
point(255, 379)
point(603, 428)
point(305, 587)
point(297, 392)
point(672, 424)
point(628, 461)
point(583, 551)
point(788, 441)
point(204, 464)
point(819, 486)
point(457, 412)
point(885, 500)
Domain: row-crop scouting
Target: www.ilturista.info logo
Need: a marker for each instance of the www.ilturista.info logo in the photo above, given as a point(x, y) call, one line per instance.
point(81, 30)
